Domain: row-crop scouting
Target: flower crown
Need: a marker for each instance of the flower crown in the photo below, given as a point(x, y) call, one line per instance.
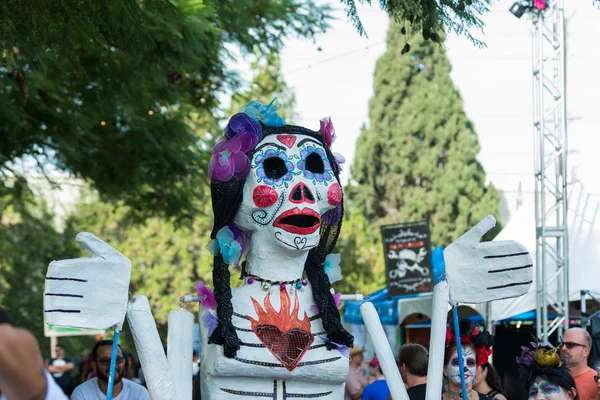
point(242, 134)
point(469, 333)
point(540, 357)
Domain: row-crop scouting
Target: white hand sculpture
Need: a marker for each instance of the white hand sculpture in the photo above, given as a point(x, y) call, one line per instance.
point(479, 272)
point(88, 292)
point(475, 272)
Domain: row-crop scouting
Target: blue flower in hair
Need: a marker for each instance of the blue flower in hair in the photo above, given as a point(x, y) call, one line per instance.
point(332, 267)
point(225, 244)
point(265, 113)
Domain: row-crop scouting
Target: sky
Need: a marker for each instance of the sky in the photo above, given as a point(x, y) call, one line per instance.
point(334, 77)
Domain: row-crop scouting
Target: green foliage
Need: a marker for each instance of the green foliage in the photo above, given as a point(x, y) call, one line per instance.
point(167, 257)
point(122, 93)
point(429, 17)
point(417, 158)
point(28, 242)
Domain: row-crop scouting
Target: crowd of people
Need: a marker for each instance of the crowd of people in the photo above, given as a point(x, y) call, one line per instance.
point(560, 373)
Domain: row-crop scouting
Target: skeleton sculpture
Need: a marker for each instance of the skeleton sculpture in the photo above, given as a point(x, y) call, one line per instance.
point(277, 342)
point(278, 201)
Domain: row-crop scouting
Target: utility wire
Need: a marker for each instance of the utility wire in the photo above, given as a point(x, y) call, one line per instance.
point(325, 60)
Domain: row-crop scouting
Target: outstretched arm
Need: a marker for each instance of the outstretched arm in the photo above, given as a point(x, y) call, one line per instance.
point(167, 377)
point(22, 374)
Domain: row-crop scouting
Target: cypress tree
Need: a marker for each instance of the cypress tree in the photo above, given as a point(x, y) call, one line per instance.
point(417, 158)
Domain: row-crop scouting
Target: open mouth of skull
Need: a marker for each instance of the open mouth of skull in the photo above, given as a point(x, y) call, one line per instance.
point(302, 222)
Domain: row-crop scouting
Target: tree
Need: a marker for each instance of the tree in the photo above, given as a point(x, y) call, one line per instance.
point(266, 85)
point(417, 158)
point(122, 94)
point(167, 258)
point(431, 18)
point(28, 242)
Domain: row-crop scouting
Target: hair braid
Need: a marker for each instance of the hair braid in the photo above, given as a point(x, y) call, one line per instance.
point(224, 334)
point(330, 315)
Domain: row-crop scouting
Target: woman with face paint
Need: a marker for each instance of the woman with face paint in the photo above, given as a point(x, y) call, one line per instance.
point(476, 349)
point(546, 375)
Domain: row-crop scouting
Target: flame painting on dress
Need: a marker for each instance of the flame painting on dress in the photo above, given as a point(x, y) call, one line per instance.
point(287, 337)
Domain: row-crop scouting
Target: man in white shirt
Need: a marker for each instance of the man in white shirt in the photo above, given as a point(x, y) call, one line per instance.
point(96, 388)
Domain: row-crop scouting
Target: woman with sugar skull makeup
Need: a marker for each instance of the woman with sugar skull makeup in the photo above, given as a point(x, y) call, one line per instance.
point(277, 199)
point(545, 374)
point(476, 349)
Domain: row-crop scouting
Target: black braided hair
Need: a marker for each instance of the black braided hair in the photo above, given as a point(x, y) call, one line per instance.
point(226, 201)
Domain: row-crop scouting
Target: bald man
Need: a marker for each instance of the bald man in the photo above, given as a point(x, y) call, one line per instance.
point(575, 350)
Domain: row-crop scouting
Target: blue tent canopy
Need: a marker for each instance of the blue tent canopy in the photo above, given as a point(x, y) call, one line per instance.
point(386, 308)
point(388, 311)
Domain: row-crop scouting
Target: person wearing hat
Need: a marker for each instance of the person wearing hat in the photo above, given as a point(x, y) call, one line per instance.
point(356, 381)
point(378, 390)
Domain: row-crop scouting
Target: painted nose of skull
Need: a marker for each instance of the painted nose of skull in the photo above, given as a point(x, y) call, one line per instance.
point(301, 194)
point(466, 369)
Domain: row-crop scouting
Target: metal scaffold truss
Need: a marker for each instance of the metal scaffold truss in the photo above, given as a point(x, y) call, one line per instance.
point(550, 134)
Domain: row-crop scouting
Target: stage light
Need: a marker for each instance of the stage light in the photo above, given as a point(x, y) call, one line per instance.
point(540, 5)
point(518, 9)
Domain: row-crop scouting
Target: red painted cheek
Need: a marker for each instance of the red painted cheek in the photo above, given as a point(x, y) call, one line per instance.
point(264, 196)
point(334, 194)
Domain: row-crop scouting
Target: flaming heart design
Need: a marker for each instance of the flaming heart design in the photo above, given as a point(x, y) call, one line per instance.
point(285, 335)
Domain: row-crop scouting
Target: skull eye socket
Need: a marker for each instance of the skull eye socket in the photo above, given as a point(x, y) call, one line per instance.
point(275, 167)
point(409, 262)
point(314, 163)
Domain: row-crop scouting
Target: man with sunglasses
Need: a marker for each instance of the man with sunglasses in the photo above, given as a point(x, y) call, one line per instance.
point(96, 388)
point(575, 349)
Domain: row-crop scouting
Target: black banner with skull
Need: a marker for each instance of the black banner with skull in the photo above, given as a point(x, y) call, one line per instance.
point(407, 249)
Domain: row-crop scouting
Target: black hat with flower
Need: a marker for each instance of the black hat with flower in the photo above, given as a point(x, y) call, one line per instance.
point(544, 362)
point(470, 334)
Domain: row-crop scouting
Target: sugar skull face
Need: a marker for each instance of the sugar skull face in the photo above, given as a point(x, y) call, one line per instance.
point(469, 365)
point(542, 389)
point(290, 185)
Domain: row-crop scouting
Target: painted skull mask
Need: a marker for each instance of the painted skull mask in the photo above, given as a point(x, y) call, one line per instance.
point(290, 186)
point(469, 365)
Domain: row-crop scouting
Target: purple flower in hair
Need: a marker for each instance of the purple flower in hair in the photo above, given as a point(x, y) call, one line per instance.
point(206, 296)
point(327, 131)
point(340, 160)
point(229, 158)
point(336, 299)
point(332, 216)
point(242, 123)
point(527, 358)
point(344, 350)
point(210, 322)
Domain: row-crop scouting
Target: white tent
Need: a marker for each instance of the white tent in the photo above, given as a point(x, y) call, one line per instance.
point(584, 251)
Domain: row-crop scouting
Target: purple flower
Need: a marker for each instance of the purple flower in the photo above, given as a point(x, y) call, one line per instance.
point(344, 350)
point(336, 298)
point(327, 131)
point(206, 296)
point(527, 358)
point(210, 322)
point(340, 160)
point(332, 216)
point(229, 158)
point(242, 123)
